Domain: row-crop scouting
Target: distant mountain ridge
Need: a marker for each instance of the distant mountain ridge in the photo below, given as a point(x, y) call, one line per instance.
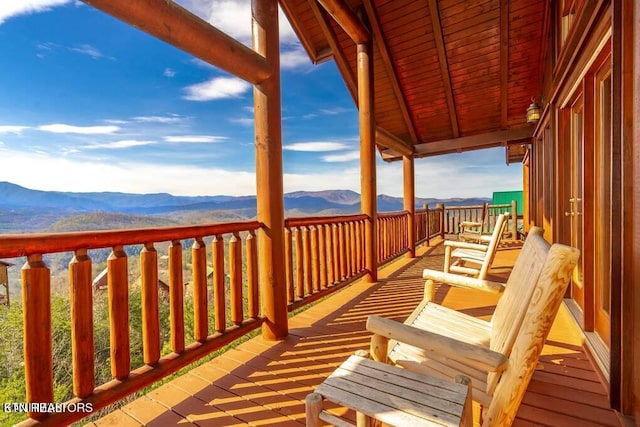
point(40, 209)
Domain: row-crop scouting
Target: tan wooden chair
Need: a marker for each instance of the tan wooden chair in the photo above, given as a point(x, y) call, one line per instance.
point(499, 356)
point(458, 255)
point(471, 231)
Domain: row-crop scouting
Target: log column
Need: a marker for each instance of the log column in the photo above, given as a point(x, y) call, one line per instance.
point(409, 203)
point(269, 171)
point(367, 157)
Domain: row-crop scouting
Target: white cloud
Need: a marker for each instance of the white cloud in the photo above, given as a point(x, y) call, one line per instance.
point(333, 111)
point(12, 8)
point(84, 130)
point(87, 49)
point(195, 138)
point(12, 129)
point(217, 88)
point(294, 59)
point(125, 143)
point(173, 118)
point(344, 157)
point(316, 146)
point(243, 121)
point(168, 72)
point(234, 18)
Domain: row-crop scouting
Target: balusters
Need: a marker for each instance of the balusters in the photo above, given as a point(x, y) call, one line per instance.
point(306, 260)
point(329, 254)
point(335, 232)
point(235, 277)
point(322, 256)
point(150, 315)
point(299, 265)
point(288, 264)
point(252, 276)
point(343, 251)
point(36, 303)
point(218, 284)
point(82, 343)
point(176, 296)
point(118, 295)
point(352, 248)
point(200, 317)
point(315, 262)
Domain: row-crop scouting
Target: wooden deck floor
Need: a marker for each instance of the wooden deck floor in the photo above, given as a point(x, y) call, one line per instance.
point(265, 383)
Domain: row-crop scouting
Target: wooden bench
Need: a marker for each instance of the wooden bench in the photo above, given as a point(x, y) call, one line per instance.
point(498, 356)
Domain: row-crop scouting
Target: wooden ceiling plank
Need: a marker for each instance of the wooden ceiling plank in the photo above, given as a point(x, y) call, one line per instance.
point(290, 13)
point(347, 19)
point(387, 139)
point(338, 53)
point(504, 61)
point(463, 143)
point(444, 67)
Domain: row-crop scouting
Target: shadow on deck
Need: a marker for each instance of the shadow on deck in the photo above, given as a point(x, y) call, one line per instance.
point(265, 383)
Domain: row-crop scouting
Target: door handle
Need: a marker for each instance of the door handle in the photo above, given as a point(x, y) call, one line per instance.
point(569, 214)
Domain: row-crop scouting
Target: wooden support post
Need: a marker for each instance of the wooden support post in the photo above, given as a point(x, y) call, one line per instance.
point(368, 192)
point(36, 305)
point(409, 203)
point(269, 171)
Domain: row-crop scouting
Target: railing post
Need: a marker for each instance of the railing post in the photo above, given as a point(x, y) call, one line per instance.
point(269, 171)
point(36, 303)
point(82, 343)
point(440, 208)
point(150, 315)
point(410, 203)
point(118, 293)
point(514, 216)
point(367, 157)
point(428, 225)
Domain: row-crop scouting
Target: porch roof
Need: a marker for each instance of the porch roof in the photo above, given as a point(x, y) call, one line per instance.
point(450, 75)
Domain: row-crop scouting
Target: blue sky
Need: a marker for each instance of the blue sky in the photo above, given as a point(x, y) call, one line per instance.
point(88, 103)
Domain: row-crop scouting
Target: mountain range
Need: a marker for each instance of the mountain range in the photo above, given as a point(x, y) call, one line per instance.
point(26, 210)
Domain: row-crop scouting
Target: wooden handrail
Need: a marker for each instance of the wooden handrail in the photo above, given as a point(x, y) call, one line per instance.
point(16, 245)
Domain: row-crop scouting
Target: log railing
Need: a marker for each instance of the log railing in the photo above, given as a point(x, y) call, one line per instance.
point(322, 254)
point(393, 239)
point(235, 308)
point(453, 215)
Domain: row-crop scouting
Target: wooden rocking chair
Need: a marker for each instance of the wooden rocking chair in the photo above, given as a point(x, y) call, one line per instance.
point(498, 356)
point(471, 231)
point(458, 254)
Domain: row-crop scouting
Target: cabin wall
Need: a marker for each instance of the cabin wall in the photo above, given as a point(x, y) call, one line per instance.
point(583, 175)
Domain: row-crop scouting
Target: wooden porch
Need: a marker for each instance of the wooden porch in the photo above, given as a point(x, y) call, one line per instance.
point(264, 382)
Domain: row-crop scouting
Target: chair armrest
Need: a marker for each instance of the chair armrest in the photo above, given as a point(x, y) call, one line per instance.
point(472, 355)
point(463, 281)
point(465, 245)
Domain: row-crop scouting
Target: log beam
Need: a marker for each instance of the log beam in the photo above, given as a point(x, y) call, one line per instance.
point(391, 141)
point(168, 21)
point(347, 19)
point(269, 172)
point(464, 143)
point(367, 157)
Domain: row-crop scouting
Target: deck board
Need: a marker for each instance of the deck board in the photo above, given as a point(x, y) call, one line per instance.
point(265, 383)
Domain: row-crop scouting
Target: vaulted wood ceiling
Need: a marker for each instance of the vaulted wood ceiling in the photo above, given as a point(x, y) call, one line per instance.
point(450, 75)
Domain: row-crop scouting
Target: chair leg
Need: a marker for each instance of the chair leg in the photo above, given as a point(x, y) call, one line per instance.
point(313, 407)
point(447, 258)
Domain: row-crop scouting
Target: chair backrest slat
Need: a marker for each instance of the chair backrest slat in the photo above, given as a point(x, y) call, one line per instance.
point(501, 223)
